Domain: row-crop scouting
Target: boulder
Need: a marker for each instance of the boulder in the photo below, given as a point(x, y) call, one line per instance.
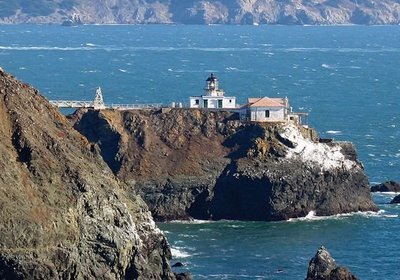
point(389, 186)
point(183, 276)
point(323, 267)
point(178, 264)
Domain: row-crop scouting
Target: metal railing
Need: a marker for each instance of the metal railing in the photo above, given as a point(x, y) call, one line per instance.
point(91, 104)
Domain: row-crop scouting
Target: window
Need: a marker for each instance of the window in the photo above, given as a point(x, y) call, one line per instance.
point(205, 103)
point(197, 102)
point(267, 113)
point(230, 100)
point(219, 103)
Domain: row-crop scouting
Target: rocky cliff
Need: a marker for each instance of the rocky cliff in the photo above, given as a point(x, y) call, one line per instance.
point(63, 214)
point(203, 11)
point(190, 163)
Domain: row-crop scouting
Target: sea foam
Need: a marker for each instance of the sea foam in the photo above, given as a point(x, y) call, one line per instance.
point(311, 216)
point(177, 252)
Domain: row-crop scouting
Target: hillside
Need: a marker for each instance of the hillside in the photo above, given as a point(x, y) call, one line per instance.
point(202, 11)
point(63, 215)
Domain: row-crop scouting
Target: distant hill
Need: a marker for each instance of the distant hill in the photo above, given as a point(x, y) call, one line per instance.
point(202, 11)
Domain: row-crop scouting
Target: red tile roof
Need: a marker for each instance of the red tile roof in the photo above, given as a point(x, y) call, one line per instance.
point(267, 102)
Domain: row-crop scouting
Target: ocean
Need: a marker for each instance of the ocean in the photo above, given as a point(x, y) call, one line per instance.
point(346, 77)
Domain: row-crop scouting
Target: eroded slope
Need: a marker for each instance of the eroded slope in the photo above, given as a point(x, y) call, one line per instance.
point(63, 213)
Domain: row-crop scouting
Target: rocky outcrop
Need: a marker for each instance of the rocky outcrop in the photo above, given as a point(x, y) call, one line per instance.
point(389, 186)
point(323, 267)
point(395, 200)
point(63, 213)
point(204, 12)
point(190, 163)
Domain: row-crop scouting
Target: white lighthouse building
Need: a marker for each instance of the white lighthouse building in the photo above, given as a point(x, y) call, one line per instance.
point(213, 97)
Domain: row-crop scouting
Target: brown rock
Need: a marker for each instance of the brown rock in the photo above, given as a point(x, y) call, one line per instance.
point(191, 163)
point(63, 214)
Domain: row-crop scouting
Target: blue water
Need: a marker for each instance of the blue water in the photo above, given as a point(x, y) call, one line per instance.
point(346, 77)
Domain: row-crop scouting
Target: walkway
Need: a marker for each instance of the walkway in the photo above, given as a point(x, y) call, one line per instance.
point(98, 104)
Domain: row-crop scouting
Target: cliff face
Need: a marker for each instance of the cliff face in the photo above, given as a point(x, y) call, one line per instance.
point(63, 214)
point(203, 12)
point(189, 163)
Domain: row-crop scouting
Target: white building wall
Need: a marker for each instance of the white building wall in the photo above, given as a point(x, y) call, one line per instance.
point(192, 101)
point(227, 102)
point(275, 114)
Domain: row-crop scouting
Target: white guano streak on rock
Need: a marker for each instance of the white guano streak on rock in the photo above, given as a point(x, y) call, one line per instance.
point(315, 154)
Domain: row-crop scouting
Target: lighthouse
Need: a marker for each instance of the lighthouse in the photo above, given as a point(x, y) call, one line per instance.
point(213, 97)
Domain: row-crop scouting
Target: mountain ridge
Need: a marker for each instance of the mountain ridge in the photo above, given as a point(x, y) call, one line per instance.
point(289, 12)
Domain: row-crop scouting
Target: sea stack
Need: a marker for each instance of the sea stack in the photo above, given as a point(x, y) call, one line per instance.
point(209, 164)
point(63, 213)
point(323, 267)
point(389, 186)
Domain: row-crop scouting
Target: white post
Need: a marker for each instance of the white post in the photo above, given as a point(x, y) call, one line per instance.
point(98, 102)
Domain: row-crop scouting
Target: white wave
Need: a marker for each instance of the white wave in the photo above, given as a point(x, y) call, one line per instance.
point(90, 45)
point(190, 221)
point(123, 70)
point(177, 252)
point(387, 193)
point(236, 226)
point(231, 68)
point(342, 50)
point(45, 48)
point(187, 235)
point(380, 213)
point(327, 66)
point(337, 132)
point(311, 216)
point(91, 71)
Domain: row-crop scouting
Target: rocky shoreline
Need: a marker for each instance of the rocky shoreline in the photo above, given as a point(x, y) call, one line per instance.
point(201, 164)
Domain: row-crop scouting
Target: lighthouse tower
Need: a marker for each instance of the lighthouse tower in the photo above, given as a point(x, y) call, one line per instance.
point(213, 97)
point(212, 87)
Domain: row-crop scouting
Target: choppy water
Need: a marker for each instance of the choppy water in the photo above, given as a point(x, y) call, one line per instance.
point(346, 77)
